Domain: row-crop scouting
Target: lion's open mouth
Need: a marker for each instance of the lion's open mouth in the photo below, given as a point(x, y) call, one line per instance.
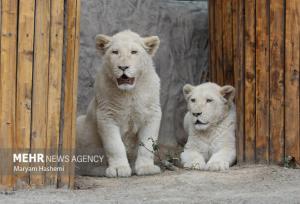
point(125, 80)
point(199, 122)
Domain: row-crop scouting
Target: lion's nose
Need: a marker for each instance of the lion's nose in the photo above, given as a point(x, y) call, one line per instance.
point(123, 68)
point(197, 114)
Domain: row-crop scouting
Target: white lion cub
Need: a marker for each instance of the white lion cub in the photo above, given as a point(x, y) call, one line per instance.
point(125, 111)
point(210, 124)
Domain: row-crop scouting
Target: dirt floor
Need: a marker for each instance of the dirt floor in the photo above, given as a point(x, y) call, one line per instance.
point(241, 184)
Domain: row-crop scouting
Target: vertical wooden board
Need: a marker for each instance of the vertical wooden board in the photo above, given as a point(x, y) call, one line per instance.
point(24, 82)
point(8, 88)
point(54, 84)
point(227, 42)
point(40, 85)
point(249, 81)
point(219, 43)
point(68, 90)
point(262, 81)
point(298, 24)
point(212, 50)
point(1, 146)
point(276, 80)
point(292, 58)
point(238, 63)
point(75, 88)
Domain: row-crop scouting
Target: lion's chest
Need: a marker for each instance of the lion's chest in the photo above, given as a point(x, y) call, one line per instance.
point(130, 121)
point(131, 118)
point(205, 143)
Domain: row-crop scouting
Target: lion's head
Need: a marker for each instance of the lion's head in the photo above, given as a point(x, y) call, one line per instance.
point(126, 55)
point(208, 103)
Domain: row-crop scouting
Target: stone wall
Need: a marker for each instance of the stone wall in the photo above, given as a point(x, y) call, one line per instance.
point(182, 57)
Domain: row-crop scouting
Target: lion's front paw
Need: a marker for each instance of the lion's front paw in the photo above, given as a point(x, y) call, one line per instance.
point(197, 165)
point(119, 171)
point(147, 170)
point(217, 166)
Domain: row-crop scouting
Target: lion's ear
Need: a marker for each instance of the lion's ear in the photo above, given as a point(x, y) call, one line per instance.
point(102, 42)
point(228, 92)
point(152, 44)
point(187, 90)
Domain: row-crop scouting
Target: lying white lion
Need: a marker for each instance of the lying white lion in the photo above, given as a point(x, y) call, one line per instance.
point(126, 109)
point(210, 124)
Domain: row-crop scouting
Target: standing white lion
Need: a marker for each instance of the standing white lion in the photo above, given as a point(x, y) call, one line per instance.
point(210, 124)
point(125, 111)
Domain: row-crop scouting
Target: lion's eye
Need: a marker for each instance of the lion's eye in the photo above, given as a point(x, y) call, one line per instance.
point(193, 100)
point(208, 100)
point(115, 52)
point(134, 52)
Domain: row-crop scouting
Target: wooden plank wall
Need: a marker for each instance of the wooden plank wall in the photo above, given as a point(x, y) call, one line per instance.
point(38, 73)
point(261, 44)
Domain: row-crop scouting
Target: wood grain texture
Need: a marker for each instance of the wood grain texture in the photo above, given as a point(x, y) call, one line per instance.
point(298, 23)
point(240, 83)
point(24, 82)
point(219, 42)
point(70, 90)
point(228, 64)
point(40, 86)
point(75, 90)
point(54, 84)
point(227, 26)
point(250, 56)
point(292, 57)
point(1, 146)
point(236, 57)
point(262, 81)
point(8, 88)
point(32, 39)
point(211, 36)
point(276, 81)
point(269, 71)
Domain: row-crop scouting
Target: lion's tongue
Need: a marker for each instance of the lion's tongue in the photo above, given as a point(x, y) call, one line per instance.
point(125, 80)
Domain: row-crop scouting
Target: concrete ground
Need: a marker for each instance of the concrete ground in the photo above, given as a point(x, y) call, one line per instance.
point(241, 184)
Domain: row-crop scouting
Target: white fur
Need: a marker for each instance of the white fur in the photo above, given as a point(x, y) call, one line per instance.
point(125, 115)
point(211, 144)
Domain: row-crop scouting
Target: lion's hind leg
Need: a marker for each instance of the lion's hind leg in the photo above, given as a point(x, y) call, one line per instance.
point(89, 145)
